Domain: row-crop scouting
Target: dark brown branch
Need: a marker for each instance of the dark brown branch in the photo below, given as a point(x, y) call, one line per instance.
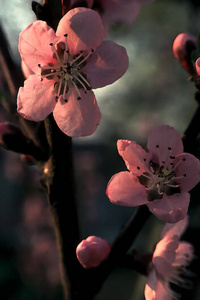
point(19, 143)
point(58, 181)
point(14, 78)
point(50, 12)
point(137, 262)
point(191, 133)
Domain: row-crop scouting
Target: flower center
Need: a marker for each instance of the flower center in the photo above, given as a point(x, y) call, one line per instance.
point(161, 178)
point(67, 71)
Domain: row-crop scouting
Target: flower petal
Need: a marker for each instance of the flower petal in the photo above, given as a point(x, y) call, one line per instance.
point(166, 138)
point(172, 208)
point(157, 289)
point(164, 254)
point(184, 254)
point(84, 29)
point(190, 168)
point(163, 291)
point(177, 228)
point(124, 189)
point(77, 117)
point(34, 45)
point(134, 156)
point(107, 64)
point(150, 287)
point(36, 100)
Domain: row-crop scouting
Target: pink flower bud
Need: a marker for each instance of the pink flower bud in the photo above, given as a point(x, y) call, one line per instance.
point(183, 46)
point(197, 64)
point(92, 251)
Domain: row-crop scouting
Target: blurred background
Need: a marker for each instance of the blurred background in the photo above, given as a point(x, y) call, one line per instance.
point(154, 91)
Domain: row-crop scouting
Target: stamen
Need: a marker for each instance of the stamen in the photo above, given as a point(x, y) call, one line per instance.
point(178, 164)
point(173, 186)
point(55, 51)
point(150, 187)
point(71, 62)
point(59, 88)
point(50, 74)
point(159, 189)
point(83, 85)
point(65, 88)
point(159, 157)
point(76, 88)
point(85, 80)
point(85, 58)
point(179, 177)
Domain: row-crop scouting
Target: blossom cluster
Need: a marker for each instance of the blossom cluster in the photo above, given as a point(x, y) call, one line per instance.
point(62, 68)
point(161, 179)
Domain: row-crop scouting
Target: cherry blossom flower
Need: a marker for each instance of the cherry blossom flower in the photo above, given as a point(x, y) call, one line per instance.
point(160, 178)
point(170, 260)
point(66, 66)
point(111, 11)
point(123, 11)
point(92, 251)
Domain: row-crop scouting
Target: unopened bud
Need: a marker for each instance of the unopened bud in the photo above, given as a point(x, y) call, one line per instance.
point(183, 46)
point(92, 251)
point(197, 64)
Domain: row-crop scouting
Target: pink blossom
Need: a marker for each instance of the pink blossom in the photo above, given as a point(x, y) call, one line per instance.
point(170, 260)
point(92, 251)
point(197, 65)
point(183, 46)
point(124, 11)
point(111, 11)
point(160, 178)
point(66, 66)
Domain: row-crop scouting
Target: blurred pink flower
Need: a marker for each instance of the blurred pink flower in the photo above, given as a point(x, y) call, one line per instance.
point(169, 262)
point(111, 11)
point(160, 178)
point(92, 251)
point(67, 65)
point(123, 11)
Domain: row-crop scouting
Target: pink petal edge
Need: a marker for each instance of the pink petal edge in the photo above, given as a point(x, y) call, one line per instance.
point(77, 118)
point(124, 189)
point(36, 100)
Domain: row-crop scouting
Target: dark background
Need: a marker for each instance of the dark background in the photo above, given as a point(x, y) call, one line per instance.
point(154, 91)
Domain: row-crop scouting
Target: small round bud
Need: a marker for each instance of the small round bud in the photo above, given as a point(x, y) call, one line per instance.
point(92, 251)
point(183, 46)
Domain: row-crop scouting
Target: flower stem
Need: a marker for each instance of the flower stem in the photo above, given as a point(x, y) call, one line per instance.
point(58, 182)
point(191, 133)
